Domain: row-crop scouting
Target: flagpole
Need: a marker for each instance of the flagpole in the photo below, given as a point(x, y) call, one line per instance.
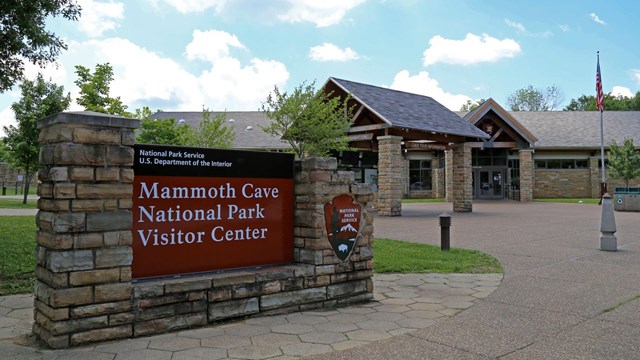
point(600, 105)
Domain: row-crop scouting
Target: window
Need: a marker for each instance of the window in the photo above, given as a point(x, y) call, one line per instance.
point(562, 164)
point(420, 174)
point(489, 157)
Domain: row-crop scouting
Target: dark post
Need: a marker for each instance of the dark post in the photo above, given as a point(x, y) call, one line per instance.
point(445, 235)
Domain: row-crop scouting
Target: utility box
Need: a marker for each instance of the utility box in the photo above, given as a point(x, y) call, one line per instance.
point(626, 199)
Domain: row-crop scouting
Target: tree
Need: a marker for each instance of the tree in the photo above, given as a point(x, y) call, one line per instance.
point(311, 121)
point(471, 105)
point(624, 162)
point(163, 132)
point(39, 100)
point(212, 133)
point(94, 90)
point(532, 99)
point(611, 103)
point(23, 35)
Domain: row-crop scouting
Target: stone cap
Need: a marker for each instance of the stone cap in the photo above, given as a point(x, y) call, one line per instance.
point(89, 118)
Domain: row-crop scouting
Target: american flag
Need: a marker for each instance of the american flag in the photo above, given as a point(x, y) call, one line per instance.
point(600, 94)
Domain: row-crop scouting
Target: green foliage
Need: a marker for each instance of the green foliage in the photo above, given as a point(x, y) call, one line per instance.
point(163, 132)
point(532, 99)
point(611, 103)
point(311, 121)
point(17, 244)
point(39, 100)
point(624, 162)
point(393, 256)
point(472, 105)
point(23, 35)
point(212, 133)
point(94, 90)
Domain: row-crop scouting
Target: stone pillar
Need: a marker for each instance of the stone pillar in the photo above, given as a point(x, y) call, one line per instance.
point(438, 183)
point(595, 177)
point(83, 243)
point(448, 175)
point(462, 194)
point(317, 182)
point(390, 167)
point(526, 175)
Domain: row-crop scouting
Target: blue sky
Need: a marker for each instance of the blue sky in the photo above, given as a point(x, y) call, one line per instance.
point(229, 54)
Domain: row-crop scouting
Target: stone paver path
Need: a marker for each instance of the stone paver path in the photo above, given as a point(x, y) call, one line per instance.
point(402, 304)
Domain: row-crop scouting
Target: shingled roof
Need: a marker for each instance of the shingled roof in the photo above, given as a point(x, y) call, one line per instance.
point(247, 125)
point(567, 130)
point(406, 110)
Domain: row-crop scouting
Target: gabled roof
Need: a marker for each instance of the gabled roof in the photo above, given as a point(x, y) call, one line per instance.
point(567, 130)
point(255, 138)
point(477, 114)
point(406, 110)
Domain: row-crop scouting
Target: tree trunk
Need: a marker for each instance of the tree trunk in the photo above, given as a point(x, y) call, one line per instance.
point(26, 187)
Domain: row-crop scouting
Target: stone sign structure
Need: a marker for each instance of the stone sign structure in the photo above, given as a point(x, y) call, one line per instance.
point(84, 290)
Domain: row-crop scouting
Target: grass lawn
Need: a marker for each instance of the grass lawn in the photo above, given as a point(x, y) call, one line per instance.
point(405, 257)
point(17, 254)
point(569, 201)
point(409, 201)
point(10, 203)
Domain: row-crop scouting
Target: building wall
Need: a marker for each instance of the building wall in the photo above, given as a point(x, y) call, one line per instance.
point(561, 183)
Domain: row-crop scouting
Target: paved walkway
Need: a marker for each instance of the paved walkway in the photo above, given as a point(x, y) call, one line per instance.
point(403, 303)
point(561, 298)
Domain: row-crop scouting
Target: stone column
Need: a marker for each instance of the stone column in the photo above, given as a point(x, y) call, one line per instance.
point(83, 243)
point(595, 178)
point(390, 167)
point(526, 175)
point(448, 175)
point(317, 182)
point(462, 194)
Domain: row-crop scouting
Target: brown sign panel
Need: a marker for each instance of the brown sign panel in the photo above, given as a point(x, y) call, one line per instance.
point(427, 146)
point(342, 219)
point(197, 210)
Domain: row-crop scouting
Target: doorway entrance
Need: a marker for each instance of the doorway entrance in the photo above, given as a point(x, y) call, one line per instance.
point(489, 183)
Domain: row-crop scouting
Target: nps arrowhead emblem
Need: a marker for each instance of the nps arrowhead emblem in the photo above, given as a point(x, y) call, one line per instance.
point(342, 218)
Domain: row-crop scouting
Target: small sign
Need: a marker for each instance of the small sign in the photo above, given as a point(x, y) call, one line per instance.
point(360, 137)
point(20, 177)
point(342, 219)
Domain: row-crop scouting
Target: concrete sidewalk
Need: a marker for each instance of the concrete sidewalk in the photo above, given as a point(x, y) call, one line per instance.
point(403, 303)
point(561, 298)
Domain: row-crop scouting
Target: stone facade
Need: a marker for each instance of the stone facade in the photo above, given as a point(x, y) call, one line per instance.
point(84, 291)
point(526, 175)
point(462, 194)
point(574, 183)
point(390, 170)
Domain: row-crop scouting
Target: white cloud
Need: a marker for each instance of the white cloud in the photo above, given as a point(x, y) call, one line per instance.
point(621, 91)
point(595, 18)
point(321, 13)
point(636, 75)
point(98, 17)
point(564, 27)
point(330, 52)
point(515, 25)
point(211, 45)
point(473, 49)
point(423, 84)
point(55, 72)
point(7, 117)
point(143, 77)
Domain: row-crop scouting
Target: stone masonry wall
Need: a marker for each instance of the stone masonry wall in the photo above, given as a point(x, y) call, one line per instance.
point(84, 292)
point(448, 176)
point(462, 192)
point(562, 183)
point(390, 169)
point(526, 176)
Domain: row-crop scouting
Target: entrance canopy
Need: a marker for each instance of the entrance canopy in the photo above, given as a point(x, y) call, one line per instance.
point(381, 111)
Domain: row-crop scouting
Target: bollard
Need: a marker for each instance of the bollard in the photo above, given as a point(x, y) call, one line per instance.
point(445, 235)
point(608, 241)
